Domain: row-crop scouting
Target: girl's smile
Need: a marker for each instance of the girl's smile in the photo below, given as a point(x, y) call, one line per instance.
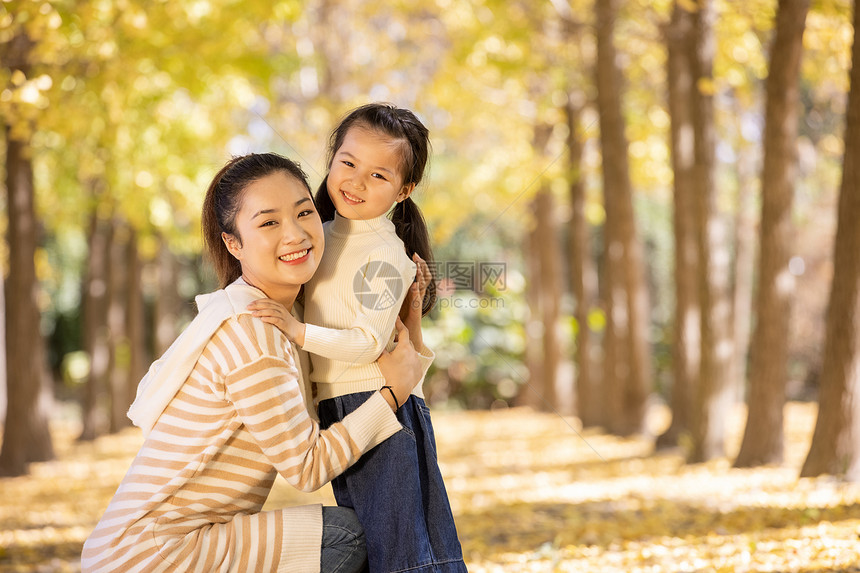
point(351, 199)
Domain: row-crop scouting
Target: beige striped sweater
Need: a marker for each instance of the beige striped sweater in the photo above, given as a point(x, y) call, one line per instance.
point(192, 499)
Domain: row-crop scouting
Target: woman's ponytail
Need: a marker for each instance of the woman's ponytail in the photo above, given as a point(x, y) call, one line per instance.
point(215, 206)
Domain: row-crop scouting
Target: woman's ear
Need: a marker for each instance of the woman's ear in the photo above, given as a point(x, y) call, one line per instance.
point(405, 192)
point(233, 244)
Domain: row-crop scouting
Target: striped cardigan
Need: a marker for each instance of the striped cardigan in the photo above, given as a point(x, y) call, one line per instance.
point(192, 499)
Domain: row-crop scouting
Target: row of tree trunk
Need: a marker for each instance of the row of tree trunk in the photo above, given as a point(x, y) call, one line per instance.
point(113, 326)
point(711, 326)
point(113, 323)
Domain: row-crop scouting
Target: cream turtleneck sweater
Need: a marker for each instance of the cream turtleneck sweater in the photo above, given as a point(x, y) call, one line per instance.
point(352, 303)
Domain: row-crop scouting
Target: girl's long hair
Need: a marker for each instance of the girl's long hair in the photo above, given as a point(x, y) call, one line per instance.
point(398, 124)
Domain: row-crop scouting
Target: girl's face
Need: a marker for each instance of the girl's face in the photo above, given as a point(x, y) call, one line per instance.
point(364, 180)
point(280, 237)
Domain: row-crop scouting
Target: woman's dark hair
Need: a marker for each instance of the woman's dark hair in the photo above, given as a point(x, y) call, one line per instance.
point(224, 199)
point(402, 125)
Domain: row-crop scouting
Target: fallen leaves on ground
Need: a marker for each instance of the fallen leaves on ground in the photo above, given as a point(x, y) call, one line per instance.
point(530, 492)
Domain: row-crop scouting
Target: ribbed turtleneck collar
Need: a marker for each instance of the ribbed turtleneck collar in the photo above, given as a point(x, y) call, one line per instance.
point(342, 226)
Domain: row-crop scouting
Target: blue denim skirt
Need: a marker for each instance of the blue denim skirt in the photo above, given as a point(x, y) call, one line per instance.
point(396, 489)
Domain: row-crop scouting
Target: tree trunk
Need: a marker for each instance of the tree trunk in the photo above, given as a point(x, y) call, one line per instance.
point(26, 435)
point(687, 329)
point(529, 393)
point(745, 240)
point(544, 291)
point(616, 341)
point(95, 301)
point(713, 397)
point(583, 278)
point(168, 305)
point(763, 438)
point(135, 323)
point(120, 351)
point(835, 445)
point(2, 354)
point(334, 72)
point(627, 363)
point(549, 287)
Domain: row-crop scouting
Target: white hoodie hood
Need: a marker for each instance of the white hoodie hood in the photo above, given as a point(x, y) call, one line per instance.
point(167, 374)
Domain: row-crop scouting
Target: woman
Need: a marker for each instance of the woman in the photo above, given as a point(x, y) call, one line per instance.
point(225, 408)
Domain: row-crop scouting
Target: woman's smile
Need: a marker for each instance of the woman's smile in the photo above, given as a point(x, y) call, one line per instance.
point(295, 258)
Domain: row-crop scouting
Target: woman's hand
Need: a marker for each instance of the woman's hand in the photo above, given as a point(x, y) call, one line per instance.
point(410, 312)
point(401, 367)
point(275, 313)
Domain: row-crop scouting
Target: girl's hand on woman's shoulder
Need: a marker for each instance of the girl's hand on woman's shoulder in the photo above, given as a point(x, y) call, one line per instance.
point(273, 312)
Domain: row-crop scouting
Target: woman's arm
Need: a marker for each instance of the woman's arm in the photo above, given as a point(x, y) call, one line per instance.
point(265, 393)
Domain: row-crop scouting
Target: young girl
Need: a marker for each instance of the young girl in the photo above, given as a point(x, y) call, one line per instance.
point(377, 156)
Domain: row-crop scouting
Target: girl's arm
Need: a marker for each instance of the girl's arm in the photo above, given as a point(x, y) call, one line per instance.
point(265, 393)
point(365, 340)
point(361, 344)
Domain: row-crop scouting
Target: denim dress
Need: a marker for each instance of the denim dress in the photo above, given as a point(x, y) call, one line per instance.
point(398, 494)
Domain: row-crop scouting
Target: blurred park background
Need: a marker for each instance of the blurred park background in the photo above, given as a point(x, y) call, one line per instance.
point(635, 205)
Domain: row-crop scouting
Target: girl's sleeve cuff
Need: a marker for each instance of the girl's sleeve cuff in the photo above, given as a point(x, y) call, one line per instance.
point(427, 357)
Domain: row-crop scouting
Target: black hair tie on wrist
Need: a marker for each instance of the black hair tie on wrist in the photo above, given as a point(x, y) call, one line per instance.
point(396, 403)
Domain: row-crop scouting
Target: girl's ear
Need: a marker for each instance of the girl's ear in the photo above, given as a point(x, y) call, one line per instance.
point(405, 192)
point(233, 244)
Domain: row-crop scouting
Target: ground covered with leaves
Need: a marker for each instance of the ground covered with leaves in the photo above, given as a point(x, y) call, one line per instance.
point(530, 492)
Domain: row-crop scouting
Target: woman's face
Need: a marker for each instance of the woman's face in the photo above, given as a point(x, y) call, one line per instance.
point(280, 236)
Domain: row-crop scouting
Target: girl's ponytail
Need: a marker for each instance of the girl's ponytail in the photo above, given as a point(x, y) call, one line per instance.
point(412, 230)
point(323, 202)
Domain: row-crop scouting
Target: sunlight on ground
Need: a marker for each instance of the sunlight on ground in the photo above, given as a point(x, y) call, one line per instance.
point(530, 492)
